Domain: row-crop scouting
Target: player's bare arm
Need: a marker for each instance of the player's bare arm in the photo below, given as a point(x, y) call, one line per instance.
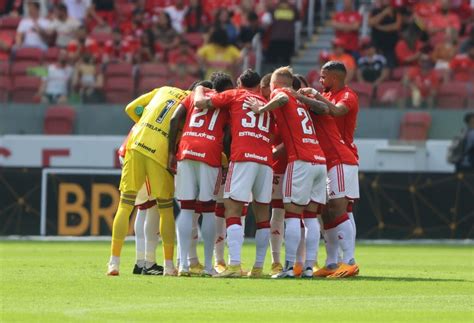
point(316, 106)
point(176, 122)
point(135, 108)
point(336, 110)
point(278, 151)
point(201, 101)
point(278, 101)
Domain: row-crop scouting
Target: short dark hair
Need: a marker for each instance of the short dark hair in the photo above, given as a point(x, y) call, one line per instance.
point(221, 81)
point(61, 7)
point(35, 4)
point(468, 117)
point(249, 78)
point(219, 37)
point(299, 81)
point(205, 83)
point(335, 66)
point(252, 16)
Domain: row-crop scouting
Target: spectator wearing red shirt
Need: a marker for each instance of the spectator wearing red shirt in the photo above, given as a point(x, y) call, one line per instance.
point(347, 24)
point(442, 23)
point(118, 49)
point(144, 52)
point(408, 48)
point(183, 60)
point(81, 45)
point(423, 82)
point(6, 43)
point(164, 35)
point(196, 18)
point(462, 66)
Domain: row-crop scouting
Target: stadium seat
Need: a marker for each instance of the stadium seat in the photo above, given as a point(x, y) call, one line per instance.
point(313, 78)
point(195, 39)
point(101, 37)
point(397, 73)
point(119, 69)
point(415, 126)
point(25, 89)
point(9, 23)
point(146, 84)
point(153, 69)
point(390, 93)
point(119, 90)
point(52, 54)
point(29, 55)
point(5, 86)
point(452, 95)
point(185, 82)
point(125, 9)
point(21, 68)
point(4, 68)
point(59, 120)
point(365, 92)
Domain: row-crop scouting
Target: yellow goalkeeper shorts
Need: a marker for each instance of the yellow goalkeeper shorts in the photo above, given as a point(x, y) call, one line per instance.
point(137, 167)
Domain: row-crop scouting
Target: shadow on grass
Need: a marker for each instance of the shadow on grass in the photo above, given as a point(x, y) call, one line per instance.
point(409, 279)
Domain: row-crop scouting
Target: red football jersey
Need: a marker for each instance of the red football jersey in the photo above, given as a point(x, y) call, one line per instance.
point(203, 133)
point(346, 123)
point(280, 163)
point(251, 136)
point(350, 38)
point(297, 131)
point(334, 147)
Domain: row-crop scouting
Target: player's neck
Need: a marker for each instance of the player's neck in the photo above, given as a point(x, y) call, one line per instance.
point(338, 87)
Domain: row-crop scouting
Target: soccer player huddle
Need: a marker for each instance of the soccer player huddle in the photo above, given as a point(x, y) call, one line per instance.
point(273, 144)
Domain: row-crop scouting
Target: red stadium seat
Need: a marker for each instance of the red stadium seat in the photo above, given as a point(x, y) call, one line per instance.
point(101, 37)
point(119, 69)
point(390, 93)
point(52, 54)
point(364, 92)
point(59, 120)
point(5, 86)
point(153, 69)
point(185, 82)
point(397, 73)
point(25, 89)
point(125, 9)
point(452, 95)
point(415, 126)
point(21, 68)
point(4, 68)
point(29, 55)
point(9, 23)
point(119, 90)
point(195, 39)
point(146, 84)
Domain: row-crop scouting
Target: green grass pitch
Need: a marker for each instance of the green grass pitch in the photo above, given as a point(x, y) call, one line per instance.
point(66, 281)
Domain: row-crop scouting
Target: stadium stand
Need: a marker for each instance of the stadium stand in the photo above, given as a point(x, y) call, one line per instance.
point(59, 120)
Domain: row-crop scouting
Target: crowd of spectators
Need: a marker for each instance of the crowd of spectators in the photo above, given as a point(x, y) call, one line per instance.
point(188, 37)
point(425, 44)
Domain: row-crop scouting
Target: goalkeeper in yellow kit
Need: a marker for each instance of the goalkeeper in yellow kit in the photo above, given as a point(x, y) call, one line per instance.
point(147, 156)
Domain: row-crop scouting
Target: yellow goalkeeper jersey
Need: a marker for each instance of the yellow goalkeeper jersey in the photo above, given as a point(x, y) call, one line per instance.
point(150, 134)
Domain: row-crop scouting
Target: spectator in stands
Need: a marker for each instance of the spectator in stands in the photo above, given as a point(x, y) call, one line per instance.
point(340, 55)
point(63, 26)
point(87, 79)
point(282, 32)
point(442, 23)
point(144, 51)
point(55, 86)
point(196, 19)
point(386, 22)
point(164, 36)
point(118, 49)
point(77, 9)
point(372, 67)
point(249, 30)
point(467, 159)
point(423, 82)
point(462, 66)
point(468, 42)
point(443, 53)
point(222, 20)
point(177, 12)
point(82, 44)
point(183, 60)
point(347, 24)
point(408, 48)
point(33, 31)
point(219, 54)
point(103, 10)
point(6, 44)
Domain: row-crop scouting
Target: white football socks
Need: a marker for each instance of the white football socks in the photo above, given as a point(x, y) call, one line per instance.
point(262, 237)
point(300, 252)
point(235, 240)
point(140, 238)
point(184, 223)
point(152, 225)
point(208, 231)
point(312, 235)
point(192, 255)
point(292, 240)
point(340, 236)
point(277, 229)
point(219, 240)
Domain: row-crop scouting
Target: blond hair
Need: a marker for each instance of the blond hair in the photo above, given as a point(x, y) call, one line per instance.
point(284, 75)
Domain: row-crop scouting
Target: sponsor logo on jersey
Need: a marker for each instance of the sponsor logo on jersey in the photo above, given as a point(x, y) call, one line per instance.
point(199, 135)
point(142, 145)
point(194, 153)
point(321, 158)
point(254, 156)
point(310, 141)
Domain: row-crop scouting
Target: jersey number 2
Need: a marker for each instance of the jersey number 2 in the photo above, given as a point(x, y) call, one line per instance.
point(306, 124)
point(198, 122)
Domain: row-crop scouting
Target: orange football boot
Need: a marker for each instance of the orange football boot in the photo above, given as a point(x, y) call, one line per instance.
point(298, 269)
point(345, 271)
point(324, 272)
